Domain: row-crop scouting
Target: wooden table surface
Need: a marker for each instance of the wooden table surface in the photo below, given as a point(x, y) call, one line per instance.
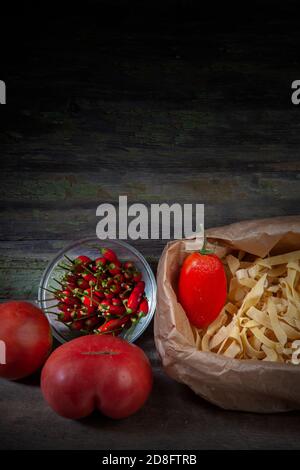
point(190, 110)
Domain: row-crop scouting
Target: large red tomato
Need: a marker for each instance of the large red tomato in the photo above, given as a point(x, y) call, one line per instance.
point(202, 288)
point(25, 337)
point(97, 372)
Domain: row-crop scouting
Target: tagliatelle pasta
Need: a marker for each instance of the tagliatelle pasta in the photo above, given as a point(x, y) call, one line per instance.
point(261, 318)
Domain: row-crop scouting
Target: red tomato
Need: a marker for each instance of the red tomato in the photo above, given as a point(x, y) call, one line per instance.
point(97, 372)
point(26, 334)
point(202, 288)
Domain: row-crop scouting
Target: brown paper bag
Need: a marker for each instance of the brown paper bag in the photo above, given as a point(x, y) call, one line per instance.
point(234, 384)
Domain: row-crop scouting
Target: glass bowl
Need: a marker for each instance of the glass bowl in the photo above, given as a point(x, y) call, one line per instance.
point(90, 247)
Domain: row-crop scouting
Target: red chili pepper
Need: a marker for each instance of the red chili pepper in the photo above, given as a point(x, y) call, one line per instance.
point(108, 294)
point(125, 294)
point(71, 285)
point(65, 316)
point(90, 310)
point(101, 262)
point(104, 305)
point(91, 323)
point(71, 278)
point(129, 265)
point(89, 300)
point(88, 292)
point(115, 289)
point(143, 307)
point(116, 310)
point(92, 280)
point(71, 301)
point(82, 283)
point(118, 278)
point(82, 260)
point(109, 254)
point(107, 282)
point(99, 294)
point(114, 268)
point(65, 293)
point(135, 297)
point(113, 326)
point(63, 307)
point(116, 301)
point(126, 286)
point(137, 276)
point(77, 325)
point(127, 275)
point(78, 314)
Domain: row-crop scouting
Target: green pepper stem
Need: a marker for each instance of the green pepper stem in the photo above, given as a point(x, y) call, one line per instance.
point(204, 250)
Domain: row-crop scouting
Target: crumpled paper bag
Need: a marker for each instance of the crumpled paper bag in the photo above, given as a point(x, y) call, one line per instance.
point(248, 385)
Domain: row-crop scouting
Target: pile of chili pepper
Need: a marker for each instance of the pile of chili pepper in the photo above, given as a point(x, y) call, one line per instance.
point(102, 296)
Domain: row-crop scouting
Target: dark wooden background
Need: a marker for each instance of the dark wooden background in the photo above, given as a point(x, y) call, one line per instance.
point(164, 103)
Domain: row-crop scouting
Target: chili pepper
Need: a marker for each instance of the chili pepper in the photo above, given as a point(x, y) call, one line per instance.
point(126, 286)
point(109, 254)
point(78, 314)
point(71, 301)
point(65, 316)
point(127, 275)
point(66, 293)
point(135, 297)
point(90, 278)
point(71, 280)
point(77, 325)
point(137, 276)
point(116, 301)
point(108, 294)
point(90, 310)
point(143, 308)
point(104, 305)
point(117, 310)
point(101, 262)
point(62, 307)
point(107, 308)
point(89, 301)
point(115, 289)
point(118, 278)
point(114, 268)
point(89, 292)
point(99, 294)
point(82, 283)
point(129, 265)
point(107, 282)
point(82, 260)
point(71, 285)
point(125, 294)
point(91, 323)
point(113, 326)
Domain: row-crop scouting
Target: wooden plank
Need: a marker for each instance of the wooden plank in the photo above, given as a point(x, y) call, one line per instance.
point(90, 189)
